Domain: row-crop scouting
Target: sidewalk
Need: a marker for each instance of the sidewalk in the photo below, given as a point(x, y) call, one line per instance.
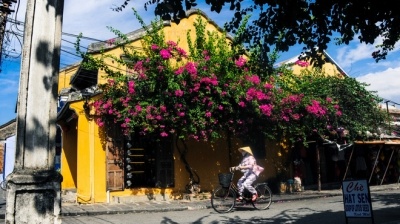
point(74, 209)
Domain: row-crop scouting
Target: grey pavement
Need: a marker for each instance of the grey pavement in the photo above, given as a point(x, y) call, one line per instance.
point(75, 209)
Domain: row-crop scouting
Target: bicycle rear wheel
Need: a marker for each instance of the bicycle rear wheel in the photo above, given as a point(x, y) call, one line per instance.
point(264, 198)
point(223, 199)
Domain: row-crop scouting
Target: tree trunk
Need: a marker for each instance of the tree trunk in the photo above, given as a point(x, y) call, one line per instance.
point(318, 167)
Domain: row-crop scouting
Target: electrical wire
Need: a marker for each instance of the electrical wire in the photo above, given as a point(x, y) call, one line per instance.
point(389, 101)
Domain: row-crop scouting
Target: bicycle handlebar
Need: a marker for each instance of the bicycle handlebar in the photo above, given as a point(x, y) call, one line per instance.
point(232, 169)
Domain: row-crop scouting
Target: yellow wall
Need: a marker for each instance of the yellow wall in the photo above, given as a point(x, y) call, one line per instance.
point(65, 75)
point(206, 159)
point(174, 32)
point(91, 175)
point(328, 68)
point(69, 155)
point(210, 159)
point(69, 136)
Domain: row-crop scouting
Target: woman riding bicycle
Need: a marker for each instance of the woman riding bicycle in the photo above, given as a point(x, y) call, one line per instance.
point(246, 166)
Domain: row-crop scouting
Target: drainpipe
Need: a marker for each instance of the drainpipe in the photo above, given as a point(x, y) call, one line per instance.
point(91, 148)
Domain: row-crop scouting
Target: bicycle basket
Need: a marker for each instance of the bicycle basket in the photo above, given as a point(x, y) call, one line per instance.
point(224, 179)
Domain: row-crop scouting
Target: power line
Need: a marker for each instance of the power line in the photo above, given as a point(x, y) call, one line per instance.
point(4, 12)
point(389, 101)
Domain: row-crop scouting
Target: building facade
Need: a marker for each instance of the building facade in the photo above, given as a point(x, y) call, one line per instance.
point(101, 164)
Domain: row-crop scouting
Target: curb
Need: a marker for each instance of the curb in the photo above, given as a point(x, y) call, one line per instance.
point(191, 206)
point(115, 212)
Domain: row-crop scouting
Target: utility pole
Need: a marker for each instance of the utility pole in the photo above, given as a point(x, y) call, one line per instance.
point(34, 187)
point(4, 12)
point(387, 110)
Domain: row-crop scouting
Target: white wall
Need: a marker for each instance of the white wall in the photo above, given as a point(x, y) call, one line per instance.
point(9, 157)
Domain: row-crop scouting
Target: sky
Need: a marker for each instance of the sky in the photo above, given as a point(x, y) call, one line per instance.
point(92, 17)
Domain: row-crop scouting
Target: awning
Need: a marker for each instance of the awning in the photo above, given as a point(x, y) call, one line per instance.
point(391, 144)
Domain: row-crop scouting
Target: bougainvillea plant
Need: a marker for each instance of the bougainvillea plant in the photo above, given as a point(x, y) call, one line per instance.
point(207, 89)
point(343, 109)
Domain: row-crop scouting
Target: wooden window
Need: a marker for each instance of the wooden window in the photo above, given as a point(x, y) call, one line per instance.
point(148, 163)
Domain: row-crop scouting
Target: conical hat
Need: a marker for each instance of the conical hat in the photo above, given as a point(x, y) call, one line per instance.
point(247, 149)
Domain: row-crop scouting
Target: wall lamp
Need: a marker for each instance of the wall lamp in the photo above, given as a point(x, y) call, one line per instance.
point(128, 145)
point(86, 96)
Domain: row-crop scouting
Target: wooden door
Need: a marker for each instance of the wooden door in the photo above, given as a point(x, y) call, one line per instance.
point(115, 159)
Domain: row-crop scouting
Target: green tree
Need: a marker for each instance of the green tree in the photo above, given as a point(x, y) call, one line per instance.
point(310, 23)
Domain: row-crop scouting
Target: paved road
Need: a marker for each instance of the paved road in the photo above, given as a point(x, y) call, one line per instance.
point(328, 210)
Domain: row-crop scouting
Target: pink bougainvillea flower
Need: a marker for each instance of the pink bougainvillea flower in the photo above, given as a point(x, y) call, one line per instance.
point(138, 108)
point(179, 71)
point(131, 87)
point(266, 109)
point(253, 93)
point(196, 87)
point(110, 42)
point(99, 122)
point(154, 47)
point(97, 104)
point(179, 93)
point(165, 54)
point(139, 66)
point(142, 76)
point(292, 100)
point(240, 62)
point(111, 82)
point(172, 43)
point(302, 63)
point(214, 80)
point(107, 105)
point(163, 109)
point(316, 109)
point(296, 116)
point(191, 68)
point(253, 79)
point(181, 52)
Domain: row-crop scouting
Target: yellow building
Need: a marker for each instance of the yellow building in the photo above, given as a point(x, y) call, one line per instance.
point(330, 67)
point(102, 165)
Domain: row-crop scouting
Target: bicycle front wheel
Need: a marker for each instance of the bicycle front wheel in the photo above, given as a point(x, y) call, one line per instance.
point(264, 198)
point(223, 199)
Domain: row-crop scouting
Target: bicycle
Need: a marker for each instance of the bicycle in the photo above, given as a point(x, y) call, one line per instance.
point(223, 199)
